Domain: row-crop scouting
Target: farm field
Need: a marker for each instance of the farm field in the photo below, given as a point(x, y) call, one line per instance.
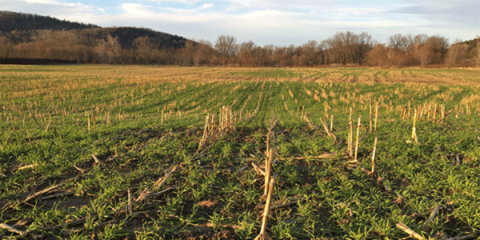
point(148, 152)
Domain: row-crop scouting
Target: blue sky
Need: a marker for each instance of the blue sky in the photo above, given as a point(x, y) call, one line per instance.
point(279, 22)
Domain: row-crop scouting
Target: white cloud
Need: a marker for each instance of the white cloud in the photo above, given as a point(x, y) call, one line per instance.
point(41, 2)
point(69, 11)
point(206, 6)
point(283, 4)
point(177, 1)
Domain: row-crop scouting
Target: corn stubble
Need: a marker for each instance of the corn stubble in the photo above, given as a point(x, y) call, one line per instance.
point(191, 135)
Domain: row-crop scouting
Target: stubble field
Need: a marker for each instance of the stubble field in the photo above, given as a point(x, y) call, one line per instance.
point(136, 152)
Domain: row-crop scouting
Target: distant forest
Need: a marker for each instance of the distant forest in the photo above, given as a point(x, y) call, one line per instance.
point(31, 38)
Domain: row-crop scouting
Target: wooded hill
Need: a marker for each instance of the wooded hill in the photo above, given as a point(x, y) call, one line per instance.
point(22, 27)
point(12, 21)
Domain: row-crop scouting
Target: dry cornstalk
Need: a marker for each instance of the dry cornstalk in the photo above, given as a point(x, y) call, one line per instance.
point(68, 224)
point(268, 169)
point(273, 207)
point(88, 120)
point(30, 197)
point(414, 129)
point(162, 118)
point(325, 126)
point(432, 214)
point(162, 181)
point(400, 200)
point(358, 138)
point(268, 142)
point(79, 169)
point(129, 207)
point(27, 167)
point(147, 193)
point(49, 122)
point(142, 195)
point(469, 236)
point(58, 195)
point(350, 135)
point(94, 120)
point(376, 118)
point(28, 136)
point(12, 229)
point(409, 231)
point(33, 116)
point(97, 161)
point(158, 193)
point(370, 119)
point(211, 225)
point(373, 155)
point(323, 156)
point(385, 184)
point(258, 169)
point(310, 125)
point(331, 123)
point(10, 134)
point(263, 234)
point(279, 202)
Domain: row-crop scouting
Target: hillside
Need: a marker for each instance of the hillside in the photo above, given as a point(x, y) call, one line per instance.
point(22, 27)
point(126, 36)
point(10, 21)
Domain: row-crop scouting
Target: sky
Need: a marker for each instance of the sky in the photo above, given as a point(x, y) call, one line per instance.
point(278, 22)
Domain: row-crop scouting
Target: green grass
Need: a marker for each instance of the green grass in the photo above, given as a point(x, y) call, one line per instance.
point(336, 200)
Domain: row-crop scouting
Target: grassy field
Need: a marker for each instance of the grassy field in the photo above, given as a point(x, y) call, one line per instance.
point(136, 152)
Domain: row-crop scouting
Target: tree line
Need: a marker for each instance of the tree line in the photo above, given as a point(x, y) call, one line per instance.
point(342, 49)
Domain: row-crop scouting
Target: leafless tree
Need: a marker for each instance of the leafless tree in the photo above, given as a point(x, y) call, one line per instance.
point(398, 41)
point(478, 51)
point(113, 47)
point(245, 55)
point(377, 56)
point(310, 52)
point(418, 41)
point(6, 48)
point(145, 49)
point(439, 46)
point(203, 52)
point(424, 54)
point(226, 47)
point(457, 53)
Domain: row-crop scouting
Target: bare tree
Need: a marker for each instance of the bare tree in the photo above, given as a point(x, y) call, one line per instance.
point(113, 47)
point(478, 50)
point(226, 47)
point(457, 53)
point(439, 46)
point(6, 48)
point(145, 49)
point(310, 52)
point(245, 55)
point(203, 52)
point(377, 56)
point(424, 54)
point(398, 41)
point(364, 44)
point(417, 42)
